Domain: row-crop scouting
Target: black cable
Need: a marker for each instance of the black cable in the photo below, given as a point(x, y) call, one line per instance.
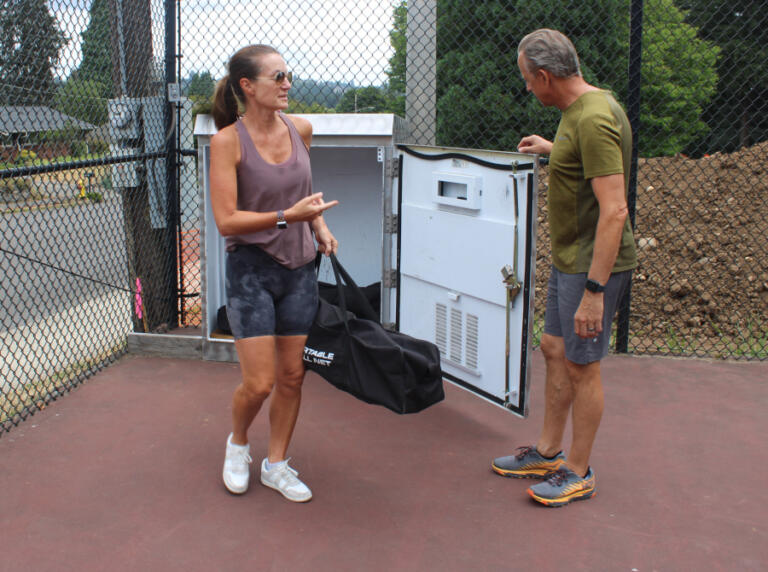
point(95, 280)
point(465, 157)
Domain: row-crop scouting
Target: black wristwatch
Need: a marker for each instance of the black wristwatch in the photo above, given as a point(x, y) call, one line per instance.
point(594, 286)
point(282, 224)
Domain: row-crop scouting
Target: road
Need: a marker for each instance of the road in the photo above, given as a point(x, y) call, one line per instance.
point(84, 246)
point(58, 312)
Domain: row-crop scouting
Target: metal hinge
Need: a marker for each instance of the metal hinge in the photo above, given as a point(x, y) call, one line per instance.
point(393, 167)
point(389, 280)
point(390, 224)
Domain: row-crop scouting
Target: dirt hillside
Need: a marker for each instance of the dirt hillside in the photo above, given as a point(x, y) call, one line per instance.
point(701, 227)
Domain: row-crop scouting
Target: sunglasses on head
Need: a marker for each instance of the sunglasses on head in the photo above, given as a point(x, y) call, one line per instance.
point(280, 77)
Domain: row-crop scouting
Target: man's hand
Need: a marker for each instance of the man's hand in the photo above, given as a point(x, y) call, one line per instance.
point(535, 144)
point(588, 320)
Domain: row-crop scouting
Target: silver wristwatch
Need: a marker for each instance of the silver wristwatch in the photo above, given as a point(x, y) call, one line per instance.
point(281, 222)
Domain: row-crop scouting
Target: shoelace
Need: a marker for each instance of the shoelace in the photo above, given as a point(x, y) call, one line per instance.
point(557, 477)
point(290, 475)
point(523, 452)
point(241, 457)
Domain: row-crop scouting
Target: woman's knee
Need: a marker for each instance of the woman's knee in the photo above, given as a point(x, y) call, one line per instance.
point(255, 390)
point(290, 378)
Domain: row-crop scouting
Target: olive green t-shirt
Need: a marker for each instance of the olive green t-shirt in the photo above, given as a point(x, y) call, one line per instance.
point(594, 138)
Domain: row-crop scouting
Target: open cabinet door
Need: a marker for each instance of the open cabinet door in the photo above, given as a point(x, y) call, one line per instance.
point(467, 231)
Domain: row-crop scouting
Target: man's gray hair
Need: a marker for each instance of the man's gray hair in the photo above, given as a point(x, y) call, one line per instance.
point(552, 51)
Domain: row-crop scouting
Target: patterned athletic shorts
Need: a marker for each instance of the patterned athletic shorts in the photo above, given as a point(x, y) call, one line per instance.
point(264, 298)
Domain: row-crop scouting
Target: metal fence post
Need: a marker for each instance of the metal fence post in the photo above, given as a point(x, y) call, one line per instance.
point(171, 160)
point(633, 112)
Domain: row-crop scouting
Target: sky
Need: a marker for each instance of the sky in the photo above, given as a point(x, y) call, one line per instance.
point(344, 40)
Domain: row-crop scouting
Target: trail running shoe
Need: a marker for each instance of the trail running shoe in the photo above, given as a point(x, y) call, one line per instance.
point(527, 464)
point(236, 472)
point(284, 480)
point(563, 486)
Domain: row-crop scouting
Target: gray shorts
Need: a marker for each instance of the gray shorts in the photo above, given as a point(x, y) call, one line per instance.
point(563, 298)
point(264, 298)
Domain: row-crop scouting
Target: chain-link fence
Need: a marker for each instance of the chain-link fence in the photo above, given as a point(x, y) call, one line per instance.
point(89, 243)
point(98, 183)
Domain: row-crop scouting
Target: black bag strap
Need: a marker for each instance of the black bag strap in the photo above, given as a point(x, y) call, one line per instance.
point(340, 273)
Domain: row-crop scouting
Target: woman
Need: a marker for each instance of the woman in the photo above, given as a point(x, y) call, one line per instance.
point(261, 194)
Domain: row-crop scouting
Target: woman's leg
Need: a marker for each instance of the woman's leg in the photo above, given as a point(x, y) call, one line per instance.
point(257, 363)
point(286, 398)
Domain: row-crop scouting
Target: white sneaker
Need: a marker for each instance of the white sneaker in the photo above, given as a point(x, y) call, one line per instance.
point(283, 479)
point(236, 470)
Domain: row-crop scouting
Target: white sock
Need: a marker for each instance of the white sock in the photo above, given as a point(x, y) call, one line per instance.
point(270, 466)
point(231, 444)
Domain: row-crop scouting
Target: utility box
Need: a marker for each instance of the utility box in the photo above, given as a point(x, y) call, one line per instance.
point(448, 235)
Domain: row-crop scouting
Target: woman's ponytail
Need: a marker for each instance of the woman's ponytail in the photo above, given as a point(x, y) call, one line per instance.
point(225, 108)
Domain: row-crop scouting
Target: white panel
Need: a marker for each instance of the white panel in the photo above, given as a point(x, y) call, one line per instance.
point(354, 178)
point(459, 252)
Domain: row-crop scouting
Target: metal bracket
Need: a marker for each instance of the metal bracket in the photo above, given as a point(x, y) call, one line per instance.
point(510, 281)
point(389, 280)
point(393, 167)
point(390, 224)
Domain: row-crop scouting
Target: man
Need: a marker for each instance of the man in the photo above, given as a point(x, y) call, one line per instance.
point(593, 254)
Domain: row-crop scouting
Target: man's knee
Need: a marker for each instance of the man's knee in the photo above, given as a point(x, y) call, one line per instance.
point(582, 372)
point(552, 347)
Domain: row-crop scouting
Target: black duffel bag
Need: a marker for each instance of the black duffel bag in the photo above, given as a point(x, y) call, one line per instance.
point(357, 355)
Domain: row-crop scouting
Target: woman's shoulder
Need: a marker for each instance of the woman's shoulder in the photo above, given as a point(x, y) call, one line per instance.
point(226, 137)
point(303, 126)
point(225, 145)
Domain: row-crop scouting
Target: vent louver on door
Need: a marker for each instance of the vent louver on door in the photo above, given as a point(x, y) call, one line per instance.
point(457, 340)
point(456, 320)
point(471, 341)
point(441, 328)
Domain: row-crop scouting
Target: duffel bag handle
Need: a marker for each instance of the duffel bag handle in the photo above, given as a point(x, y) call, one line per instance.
point(340, 273)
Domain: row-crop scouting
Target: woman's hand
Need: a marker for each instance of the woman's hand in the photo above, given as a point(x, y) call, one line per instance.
point(326, 242)
point(308, 208)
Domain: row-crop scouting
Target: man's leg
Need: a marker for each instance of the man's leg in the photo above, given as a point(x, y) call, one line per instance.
point(587, 412)
point(558, 396)
point(575, 480)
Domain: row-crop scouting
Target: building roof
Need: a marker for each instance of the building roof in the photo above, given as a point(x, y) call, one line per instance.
point(35, 118)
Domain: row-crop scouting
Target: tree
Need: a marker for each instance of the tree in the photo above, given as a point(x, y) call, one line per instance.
point(201, 85)
point(96, 65)
point(86, 91)
point(29, 50)
point(396, 71)
point(679, 78)
point(482, 100)
point(83, 99)
point(737, 110)
point(363, 100)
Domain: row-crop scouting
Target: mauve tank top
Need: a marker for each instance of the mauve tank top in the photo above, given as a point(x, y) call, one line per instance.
point(264, 187)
